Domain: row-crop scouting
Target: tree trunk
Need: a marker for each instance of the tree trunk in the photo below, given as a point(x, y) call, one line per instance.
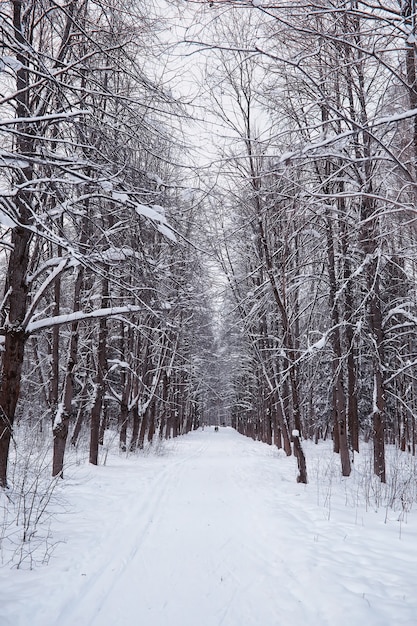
point(135, 429)
point(283, 426)
point(126, 387)
point(379, 406)
point(100, 379)
point(78, 426)
point(375, 324)
point(339, 399)
point(301, 460)
point(142, 431)
point(352, 400)
point(408, 9)
point(150, 411)
point(16, 284)
point(124, 420)
point(60, 426)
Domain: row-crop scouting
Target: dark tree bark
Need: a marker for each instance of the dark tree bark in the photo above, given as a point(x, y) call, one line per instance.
point(100, 379)
point(352, 400)
point(142, 430)
point(61, 425)
point(135, 429)
point(301, 460)
point(339, 399)
point(282, 426)
point(16, 285)
point(126, 383)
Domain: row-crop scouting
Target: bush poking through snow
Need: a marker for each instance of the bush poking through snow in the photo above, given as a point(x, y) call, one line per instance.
point(363, 489)
point(26, 507)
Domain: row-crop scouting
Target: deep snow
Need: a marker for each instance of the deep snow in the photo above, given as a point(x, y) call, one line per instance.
point(216, 532)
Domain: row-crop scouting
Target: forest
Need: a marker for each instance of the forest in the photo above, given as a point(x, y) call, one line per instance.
point(207, 217)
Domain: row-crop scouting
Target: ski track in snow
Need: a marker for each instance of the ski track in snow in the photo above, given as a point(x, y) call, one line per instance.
point(217, 533)
point(126, 542)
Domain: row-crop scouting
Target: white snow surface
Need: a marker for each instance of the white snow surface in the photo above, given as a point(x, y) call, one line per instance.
point(215, 531)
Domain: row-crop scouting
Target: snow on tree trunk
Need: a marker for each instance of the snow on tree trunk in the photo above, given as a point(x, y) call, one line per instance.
point(299, 455)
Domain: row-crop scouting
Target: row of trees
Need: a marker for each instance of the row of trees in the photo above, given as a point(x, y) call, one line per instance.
point(103, 295)
point(317, 219)
point(310, 214)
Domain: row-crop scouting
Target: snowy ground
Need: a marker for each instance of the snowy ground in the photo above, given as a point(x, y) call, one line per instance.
point(216, 532)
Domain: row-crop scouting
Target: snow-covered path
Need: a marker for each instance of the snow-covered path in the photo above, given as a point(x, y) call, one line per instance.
point(217, 533)
point(200, 554)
